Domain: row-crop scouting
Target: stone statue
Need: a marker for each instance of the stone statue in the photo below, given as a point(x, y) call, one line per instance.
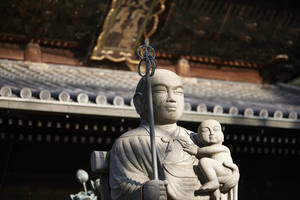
point(190, 166)
point(211, 154)
point(130, 170)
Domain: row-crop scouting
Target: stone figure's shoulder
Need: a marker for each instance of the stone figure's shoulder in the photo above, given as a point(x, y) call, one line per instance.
point(186, 130)
point(139, 131)
point(192, 135)
point(130, 137)
point(226, 149)
point(189, 132)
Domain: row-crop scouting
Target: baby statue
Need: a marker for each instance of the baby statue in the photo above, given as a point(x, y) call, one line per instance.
point(212, 155)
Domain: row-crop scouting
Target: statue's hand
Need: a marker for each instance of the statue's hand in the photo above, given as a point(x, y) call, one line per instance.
point(190, 148)
point(155, 190)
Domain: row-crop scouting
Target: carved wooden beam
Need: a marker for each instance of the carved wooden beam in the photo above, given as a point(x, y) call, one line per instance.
point(124, 26)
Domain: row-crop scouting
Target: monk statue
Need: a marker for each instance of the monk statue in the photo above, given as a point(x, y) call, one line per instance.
point(179, 168)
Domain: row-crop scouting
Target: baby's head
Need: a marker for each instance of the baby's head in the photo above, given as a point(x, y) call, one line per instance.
point(210, 132)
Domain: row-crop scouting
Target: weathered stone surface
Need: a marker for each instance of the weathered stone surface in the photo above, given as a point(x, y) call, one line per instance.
point(130, 168)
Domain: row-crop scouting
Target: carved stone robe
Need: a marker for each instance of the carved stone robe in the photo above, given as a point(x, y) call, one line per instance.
point(130, 164)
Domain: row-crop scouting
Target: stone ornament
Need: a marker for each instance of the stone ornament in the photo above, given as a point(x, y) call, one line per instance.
point(181, 153)
point(82, 176)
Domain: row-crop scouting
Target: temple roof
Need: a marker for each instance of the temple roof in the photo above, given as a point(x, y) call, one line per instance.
point(244, 30)
point(84, 90)
point(241, 29)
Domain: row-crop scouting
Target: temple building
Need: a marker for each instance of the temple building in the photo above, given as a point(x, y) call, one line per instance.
point(68, 72)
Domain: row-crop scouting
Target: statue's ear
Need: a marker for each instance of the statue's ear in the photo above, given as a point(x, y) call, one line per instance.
point(138, 101)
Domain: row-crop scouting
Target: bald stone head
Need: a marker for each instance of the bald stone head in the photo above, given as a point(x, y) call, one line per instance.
point(167, 95)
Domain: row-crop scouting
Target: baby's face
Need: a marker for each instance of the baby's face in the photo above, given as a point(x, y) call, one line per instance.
point(210, 132)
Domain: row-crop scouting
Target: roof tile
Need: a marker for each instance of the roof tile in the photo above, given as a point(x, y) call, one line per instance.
point(112, 83)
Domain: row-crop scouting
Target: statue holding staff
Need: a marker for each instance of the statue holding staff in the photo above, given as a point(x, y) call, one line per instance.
point(131, 170)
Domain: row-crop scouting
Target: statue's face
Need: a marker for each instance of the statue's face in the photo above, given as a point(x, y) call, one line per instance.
point(210, 132)
point(168, 98)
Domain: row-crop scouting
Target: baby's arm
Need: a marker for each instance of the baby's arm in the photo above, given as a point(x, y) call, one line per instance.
point(208, 151)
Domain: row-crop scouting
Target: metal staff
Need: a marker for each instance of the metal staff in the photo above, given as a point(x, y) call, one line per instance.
point(147, 54)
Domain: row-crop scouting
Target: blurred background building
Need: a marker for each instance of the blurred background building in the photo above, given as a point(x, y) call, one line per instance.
point(68, 75)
